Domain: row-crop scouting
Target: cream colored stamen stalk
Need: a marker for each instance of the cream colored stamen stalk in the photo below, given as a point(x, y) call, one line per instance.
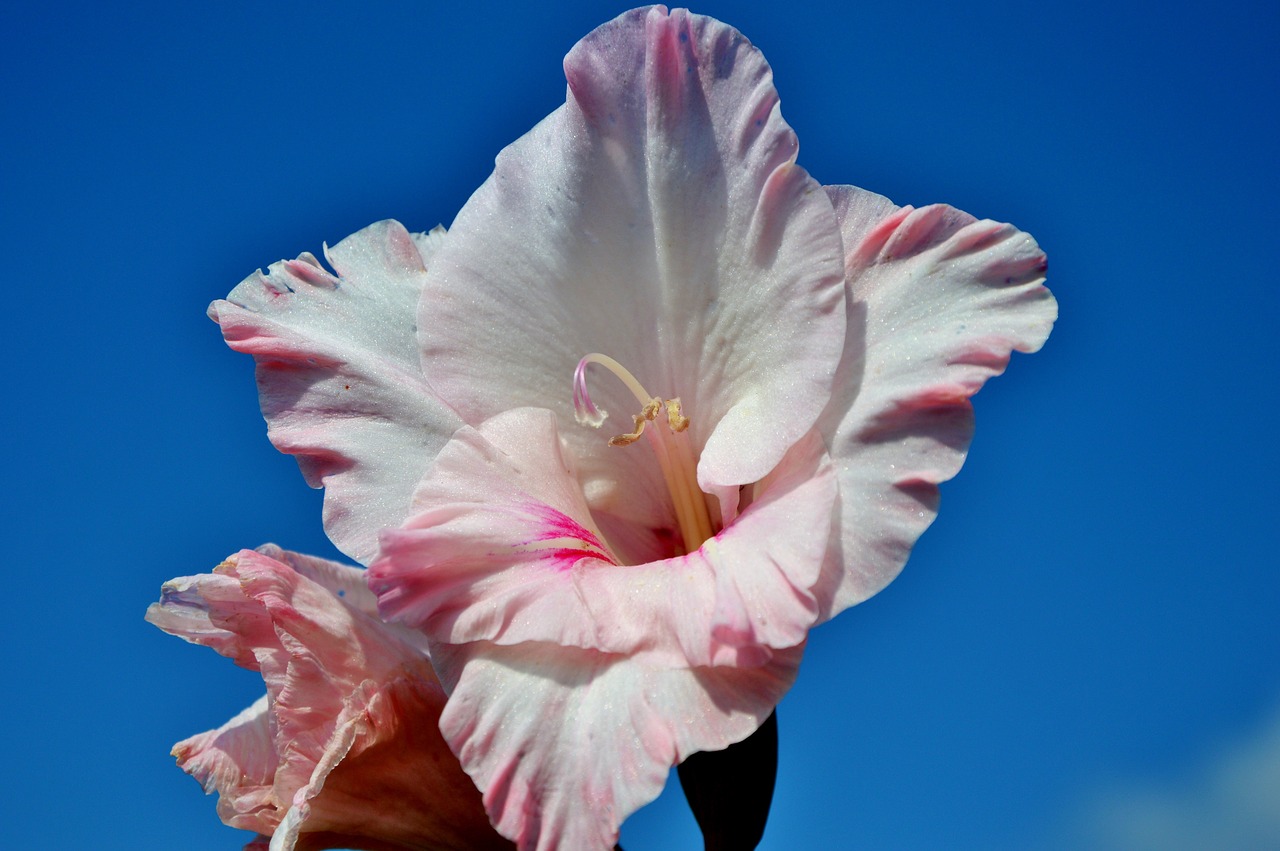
point(670, 445)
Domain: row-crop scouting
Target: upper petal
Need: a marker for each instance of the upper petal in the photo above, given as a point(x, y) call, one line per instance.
point(937, 302)
point(657, 217)
point(338, 374)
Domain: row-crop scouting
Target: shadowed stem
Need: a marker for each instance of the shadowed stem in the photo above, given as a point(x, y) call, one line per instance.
point(730, 791)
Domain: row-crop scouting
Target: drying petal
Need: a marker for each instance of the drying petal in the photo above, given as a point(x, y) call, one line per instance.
point(657, 217)
point(391, 783)
point(937, 301)
point(338, 374)
point(348, 583)
point(238, 761)
point(503, 548)
point(344, 750)
point(567, 743)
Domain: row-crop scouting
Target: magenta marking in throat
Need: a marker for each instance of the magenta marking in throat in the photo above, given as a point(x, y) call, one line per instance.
point(556, 526)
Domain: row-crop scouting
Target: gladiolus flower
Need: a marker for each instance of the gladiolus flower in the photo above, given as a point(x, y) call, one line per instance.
point(343, 751)
point(788, 367)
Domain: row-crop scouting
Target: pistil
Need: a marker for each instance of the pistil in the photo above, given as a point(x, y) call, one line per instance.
point(670, 444)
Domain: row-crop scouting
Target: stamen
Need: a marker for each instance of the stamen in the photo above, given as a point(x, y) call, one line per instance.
point(628, 439)
point(670, 445)
point(675, 420)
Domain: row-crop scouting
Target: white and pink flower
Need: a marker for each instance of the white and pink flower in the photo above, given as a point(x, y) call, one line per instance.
point(791, 365)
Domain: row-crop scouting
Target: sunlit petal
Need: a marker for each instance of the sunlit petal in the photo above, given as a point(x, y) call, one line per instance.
point(937, 302)
point(568, 743)
point(658, 217)
point(338, 374)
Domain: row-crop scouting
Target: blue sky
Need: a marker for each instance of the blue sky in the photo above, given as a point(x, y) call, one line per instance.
point(1083, 650)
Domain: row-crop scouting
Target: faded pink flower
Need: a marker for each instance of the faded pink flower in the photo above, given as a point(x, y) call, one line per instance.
point(791, 366)
point(343, 750)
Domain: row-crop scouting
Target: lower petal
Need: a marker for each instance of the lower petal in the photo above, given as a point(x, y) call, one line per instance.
point(566, 743)
point(503, 548)
point(344, 750)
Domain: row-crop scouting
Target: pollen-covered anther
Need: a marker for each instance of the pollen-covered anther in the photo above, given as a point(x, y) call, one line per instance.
point(628, 439)
point(649, 413)
point(677, 421)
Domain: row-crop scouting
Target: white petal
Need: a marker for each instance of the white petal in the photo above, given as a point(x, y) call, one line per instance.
point(566, 743)
point(657, 217)
point(937, 301)
point(338, 374)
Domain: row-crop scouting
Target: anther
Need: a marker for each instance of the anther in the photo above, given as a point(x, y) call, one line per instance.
point(675, 419)
point(628, 439)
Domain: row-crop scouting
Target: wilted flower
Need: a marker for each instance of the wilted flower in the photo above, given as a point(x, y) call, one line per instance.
point(791, 366)
point(343, 749)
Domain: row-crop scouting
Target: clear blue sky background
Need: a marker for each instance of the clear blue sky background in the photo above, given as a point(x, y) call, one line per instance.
point(1083, 650)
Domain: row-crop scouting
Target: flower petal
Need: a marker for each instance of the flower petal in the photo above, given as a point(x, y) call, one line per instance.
point(503, 548)
point(566, 743)
point(186, 609)
point(237, 761)
point(348, 583)
point(937, 301)
point(657, 217)
point(338, 374)
point(499, 526)
point(388, 776)
point(345, 747)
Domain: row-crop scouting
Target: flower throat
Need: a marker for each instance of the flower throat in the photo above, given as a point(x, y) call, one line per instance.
point(670, 444)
